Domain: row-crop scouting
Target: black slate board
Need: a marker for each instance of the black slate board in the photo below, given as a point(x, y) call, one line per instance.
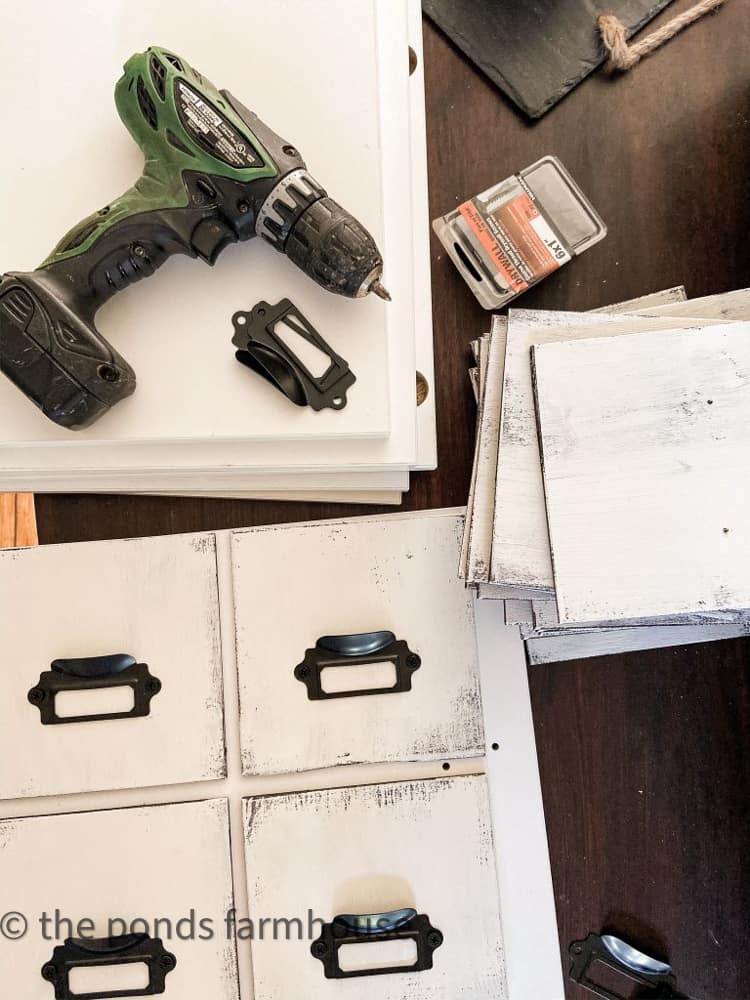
point(535, 51)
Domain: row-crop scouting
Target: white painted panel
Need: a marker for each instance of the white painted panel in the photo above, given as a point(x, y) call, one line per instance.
point(645, 441)
point(530, 933)
point(477, 547)
point(400, 218)
point(179, 322)
point(296, 583)
point(485, 459)
point(424, 844)
point(520, 545)
point(154, 598)
point(123, 865)
point(603, 642)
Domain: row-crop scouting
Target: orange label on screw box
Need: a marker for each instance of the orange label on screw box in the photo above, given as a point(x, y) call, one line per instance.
point(520, 242)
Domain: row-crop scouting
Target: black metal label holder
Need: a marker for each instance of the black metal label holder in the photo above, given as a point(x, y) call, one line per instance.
point(260, 348)
point(371, 928)
point(129, 949)
point(633, 965)
point(89, 674)
point(356, 650)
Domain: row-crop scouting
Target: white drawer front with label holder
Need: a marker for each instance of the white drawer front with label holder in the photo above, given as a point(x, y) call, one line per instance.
point(111, 671)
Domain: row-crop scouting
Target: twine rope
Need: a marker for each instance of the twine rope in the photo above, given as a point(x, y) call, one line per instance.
point(623, 56)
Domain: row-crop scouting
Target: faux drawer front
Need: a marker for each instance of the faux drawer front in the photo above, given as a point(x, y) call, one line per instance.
point(130, 867)
point(297, 583)
point(424, 845)
point(154, 599)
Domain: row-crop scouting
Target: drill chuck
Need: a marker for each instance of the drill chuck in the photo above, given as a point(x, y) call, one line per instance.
point(320, 237)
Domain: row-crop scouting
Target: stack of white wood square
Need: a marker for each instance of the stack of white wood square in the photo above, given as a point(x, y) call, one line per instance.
point(199, 422)
point(609, 448)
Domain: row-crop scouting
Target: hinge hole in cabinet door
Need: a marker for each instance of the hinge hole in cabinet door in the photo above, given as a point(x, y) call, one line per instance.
point(378, 955)
point(104, 980)
point(95, 701)
point(358, 677)
point(413, 61)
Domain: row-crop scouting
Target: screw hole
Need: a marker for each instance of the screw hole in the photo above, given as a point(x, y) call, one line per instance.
point(261, 312)
point(495, 746)
point(108, 374)
point(446, 766)
point(710, 402)
point(241, 320)
point(289, 150)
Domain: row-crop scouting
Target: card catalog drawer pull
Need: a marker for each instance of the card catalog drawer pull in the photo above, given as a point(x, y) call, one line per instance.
point(130, 949)
point(400, 926)
point(620, 957)
point(89, 674)
point(334, 651)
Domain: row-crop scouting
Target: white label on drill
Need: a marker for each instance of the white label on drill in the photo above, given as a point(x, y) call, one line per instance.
point(213, 132)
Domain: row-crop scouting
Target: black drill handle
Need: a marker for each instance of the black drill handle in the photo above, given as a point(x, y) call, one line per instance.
point(49, 344)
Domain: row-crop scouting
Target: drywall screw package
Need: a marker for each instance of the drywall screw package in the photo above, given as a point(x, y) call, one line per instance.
point(511, 236)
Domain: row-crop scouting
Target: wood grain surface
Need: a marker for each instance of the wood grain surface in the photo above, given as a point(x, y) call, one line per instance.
point(17, 520)
point(644, 757)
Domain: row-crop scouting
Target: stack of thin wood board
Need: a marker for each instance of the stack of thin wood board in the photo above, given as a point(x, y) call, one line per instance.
point(620, 436)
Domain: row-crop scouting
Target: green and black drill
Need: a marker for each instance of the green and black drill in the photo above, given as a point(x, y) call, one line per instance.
point(214, 174)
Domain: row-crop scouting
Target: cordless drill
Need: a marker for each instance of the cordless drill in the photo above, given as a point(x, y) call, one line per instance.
point(214, 174)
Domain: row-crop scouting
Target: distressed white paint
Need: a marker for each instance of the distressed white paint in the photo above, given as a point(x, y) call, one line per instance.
point(481, 381)
point(477, 547)
point(645, 441)
point(122, 865)
point(479, 516)
point(604, 642)
point(520, 545)
point(424, 844)
point(520, 857)
point(397, 574)
point(154, 598)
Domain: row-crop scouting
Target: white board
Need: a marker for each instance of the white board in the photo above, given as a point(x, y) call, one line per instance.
point(228, 458)
point(154, 598)
point(530, 934)
point(130, 865)
point(479, 523)
point(520, 544)
point(180, 322)
point(477, 544)
point(645, 442)
point(374, 848)
point(296, 583)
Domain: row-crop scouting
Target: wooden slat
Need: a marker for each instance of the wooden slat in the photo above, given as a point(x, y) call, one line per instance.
point(17, 520)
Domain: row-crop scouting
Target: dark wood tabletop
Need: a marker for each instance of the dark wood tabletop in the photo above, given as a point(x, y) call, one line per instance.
point(644, 757)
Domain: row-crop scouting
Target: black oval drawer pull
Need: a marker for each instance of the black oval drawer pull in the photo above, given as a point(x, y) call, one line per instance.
point(129, 949)
point(94, 673)
point(370, 928)
point(356, 650)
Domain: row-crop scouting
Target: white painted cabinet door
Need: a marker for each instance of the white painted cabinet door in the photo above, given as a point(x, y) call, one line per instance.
point(426, 845)
point(122, 866)
point(296, 583)
point(155, 599)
